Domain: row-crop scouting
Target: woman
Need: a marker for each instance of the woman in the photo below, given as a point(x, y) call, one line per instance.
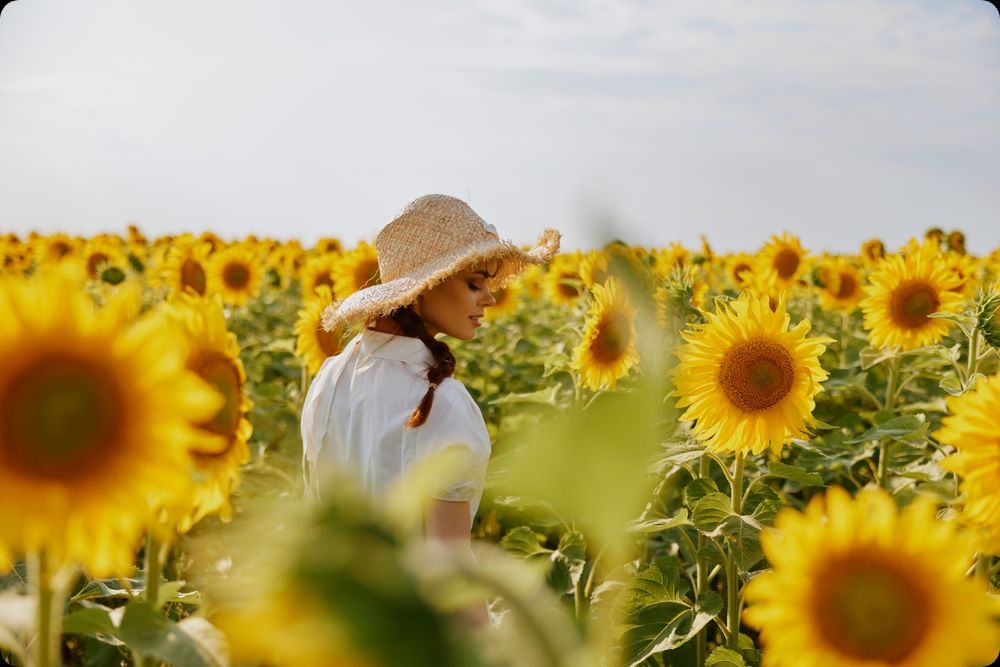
point(389, 399)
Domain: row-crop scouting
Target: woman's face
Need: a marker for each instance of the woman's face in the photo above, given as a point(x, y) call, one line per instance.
point(455, 306)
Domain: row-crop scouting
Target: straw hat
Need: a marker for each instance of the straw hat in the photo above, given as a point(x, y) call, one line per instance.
point(435, 237)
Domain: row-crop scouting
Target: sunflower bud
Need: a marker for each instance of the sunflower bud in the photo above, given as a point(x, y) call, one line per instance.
point(988, 316)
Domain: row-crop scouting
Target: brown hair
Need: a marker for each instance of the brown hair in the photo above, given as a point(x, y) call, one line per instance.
point(444, 361)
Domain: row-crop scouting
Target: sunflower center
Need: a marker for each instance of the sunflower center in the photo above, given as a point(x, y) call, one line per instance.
point(911, 303)
point(848, 286)
point(871, 610)
point(612, 339)
point(58, 416)
point(323, 279)
point(193, 276)
point(739, 269)
point(60, 249)
point(220, 372)
point(786, 262)
point(329, 341)
point(94, 261)
point(236, 276)
point(565, 288)
point(756, 374)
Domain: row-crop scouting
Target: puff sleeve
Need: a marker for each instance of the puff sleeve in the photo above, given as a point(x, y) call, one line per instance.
point(456, 421)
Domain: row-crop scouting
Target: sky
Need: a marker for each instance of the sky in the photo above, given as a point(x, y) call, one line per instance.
point(651, 121)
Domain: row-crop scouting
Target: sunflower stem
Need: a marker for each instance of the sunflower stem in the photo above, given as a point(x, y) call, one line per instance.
point(46, 649)
point(973, 363)
point(154, 567)
point(892, 377)
point(701, 576)
point(732, 581)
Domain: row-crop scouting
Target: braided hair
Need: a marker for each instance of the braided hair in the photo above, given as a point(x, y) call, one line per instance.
point(444, 361)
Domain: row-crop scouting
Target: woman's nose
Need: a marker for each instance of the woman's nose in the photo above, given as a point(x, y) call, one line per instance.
point(490, 299)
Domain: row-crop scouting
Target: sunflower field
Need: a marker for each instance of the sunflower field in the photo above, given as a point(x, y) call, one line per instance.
point(775, 458)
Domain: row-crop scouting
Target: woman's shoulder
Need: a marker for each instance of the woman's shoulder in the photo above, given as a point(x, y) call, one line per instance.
point(454, 413)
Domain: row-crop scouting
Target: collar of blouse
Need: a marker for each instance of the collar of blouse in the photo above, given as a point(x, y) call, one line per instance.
point(399, 348)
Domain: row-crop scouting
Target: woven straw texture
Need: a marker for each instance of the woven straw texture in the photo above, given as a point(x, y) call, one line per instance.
point(435, 237)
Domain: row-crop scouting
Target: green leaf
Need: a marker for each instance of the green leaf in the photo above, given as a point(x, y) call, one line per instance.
point(675, 454)
point(952, 385)
point(723, 656)
point(906, 427)
point(568, 562)
point(149, 634)
point(665, 624)
point(794, 473)
point(871, 356)
point(709, 512)
point(660, 524)
point(523, 542)
point(89, 621)
point(108, 588)
point(699, 488)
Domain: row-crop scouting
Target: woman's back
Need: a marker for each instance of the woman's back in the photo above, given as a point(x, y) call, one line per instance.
point(354, 418)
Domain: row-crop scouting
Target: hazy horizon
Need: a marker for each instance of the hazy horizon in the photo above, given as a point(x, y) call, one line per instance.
point(651, 122)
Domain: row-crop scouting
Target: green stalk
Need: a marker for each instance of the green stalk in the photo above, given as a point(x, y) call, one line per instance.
point(732, 582)
point(973, 362)
point(701, 578)
point(892, 378)
point(154, 567)
point(46, 648)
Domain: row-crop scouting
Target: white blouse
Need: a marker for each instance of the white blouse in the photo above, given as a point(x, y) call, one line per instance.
point(355, 415)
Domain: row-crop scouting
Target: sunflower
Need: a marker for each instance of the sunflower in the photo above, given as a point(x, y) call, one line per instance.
point(313, 343)
point(872, 251)
point(785, 256)
point(53, 248)
point(530, 281)
point(842, 285)
point(594, 268)
point(317, 271)
point(355, 270)
point(95, 414)
point(102, 253)
point(902, 292)
point(235, 274)
point(562, 280)
point(667, 259)
point(964, 269)
point(14, 256)
point(747, 381)
point(507, 300)
point(607, 351)
point(185, 265)
point(284, 263)
point(213, 354)
point(738, 268)
point(973, 427)
point(328, 245)
point(856, 583)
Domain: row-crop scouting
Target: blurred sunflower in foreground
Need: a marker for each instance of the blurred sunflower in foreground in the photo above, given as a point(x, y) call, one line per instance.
point(746, 380)
point(95, 418)
point(902, 292)
point(856, 583)
point(607, 350)
point(973, 427)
